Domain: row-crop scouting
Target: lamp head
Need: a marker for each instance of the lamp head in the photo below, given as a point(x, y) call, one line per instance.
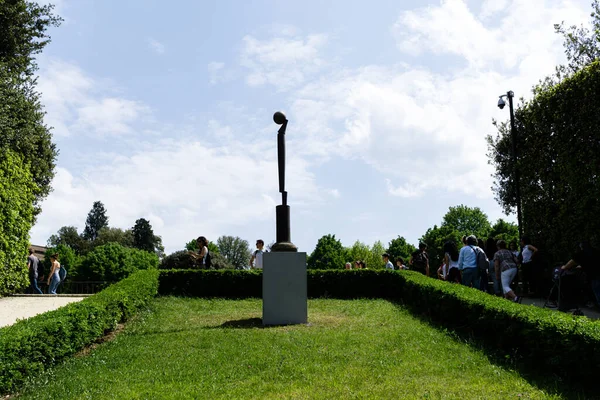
point(279, 118)
point(501, 103)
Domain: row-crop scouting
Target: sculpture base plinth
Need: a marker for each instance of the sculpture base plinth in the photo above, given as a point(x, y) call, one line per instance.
point(285, 300)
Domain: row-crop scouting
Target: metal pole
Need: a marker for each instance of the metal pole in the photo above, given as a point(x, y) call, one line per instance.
point(513, 134)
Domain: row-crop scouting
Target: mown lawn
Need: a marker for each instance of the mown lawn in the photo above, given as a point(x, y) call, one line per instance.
point(195, 348)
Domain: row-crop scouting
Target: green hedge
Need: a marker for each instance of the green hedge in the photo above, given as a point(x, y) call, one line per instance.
point(545, 340)
point(33, 345)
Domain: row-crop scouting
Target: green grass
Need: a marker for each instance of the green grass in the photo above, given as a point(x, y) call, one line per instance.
point(195, 348)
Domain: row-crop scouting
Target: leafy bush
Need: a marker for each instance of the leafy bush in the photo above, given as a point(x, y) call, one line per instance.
point(16, 217)
point(141, 259)
point(542, 339)
point(35, 344)
point(113, 262)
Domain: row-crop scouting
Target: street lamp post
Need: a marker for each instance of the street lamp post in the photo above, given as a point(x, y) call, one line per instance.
point(513, 132)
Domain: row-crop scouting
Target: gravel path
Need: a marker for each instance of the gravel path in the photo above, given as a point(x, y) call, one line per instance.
point(15, 308)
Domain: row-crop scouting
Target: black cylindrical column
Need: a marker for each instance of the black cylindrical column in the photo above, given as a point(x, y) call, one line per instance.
point(284, 240)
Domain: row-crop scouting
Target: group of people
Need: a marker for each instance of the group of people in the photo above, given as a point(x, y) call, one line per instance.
point(36, 273)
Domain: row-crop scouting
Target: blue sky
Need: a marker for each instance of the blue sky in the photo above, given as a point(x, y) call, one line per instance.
point(164, 111)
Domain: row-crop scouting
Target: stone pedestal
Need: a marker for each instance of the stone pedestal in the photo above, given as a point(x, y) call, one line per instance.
point(284, 288)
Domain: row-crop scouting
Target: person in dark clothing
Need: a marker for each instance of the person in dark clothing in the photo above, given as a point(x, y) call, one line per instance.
point(419, 261)
point(588, 257)
point(33, 265)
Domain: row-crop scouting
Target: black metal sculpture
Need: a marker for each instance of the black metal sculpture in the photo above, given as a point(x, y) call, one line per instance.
point(282, 212)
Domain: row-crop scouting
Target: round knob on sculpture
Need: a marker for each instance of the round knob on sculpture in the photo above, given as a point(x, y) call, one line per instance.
point(279, 118)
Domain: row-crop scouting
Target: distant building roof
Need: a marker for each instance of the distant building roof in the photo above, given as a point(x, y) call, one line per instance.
point(39, 251)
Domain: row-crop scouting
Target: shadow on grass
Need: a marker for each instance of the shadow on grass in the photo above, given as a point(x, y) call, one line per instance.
point(551, 384)
point(246, 323)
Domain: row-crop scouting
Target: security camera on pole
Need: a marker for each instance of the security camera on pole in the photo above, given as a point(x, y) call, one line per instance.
point(285, 299)
point(513, 132)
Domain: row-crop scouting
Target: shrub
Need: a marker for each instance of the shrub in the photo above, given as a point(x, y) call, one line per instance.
point(113, 262)
point(16, 217)
point(178, 260)
point(33, 345)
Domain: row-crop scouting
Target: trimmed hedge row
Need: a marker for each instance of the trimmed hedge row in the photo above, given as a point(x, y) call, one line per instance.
point(546, 340)
point(30, 346)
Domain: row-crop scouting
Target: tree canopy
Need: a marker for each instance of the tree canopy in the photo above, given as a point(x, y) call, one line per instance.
point(236, 250)
point(96, 220)
point(328, 254)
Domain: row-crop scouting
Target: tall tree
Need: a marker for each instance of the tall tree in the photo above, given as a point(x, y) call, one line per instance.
point(68, 236)
point(23, 34)
point(507, 231)
point(582, 45)
point(328, 254)
point(143, 235)
point(399, 248)
point(235, 250)
point(114, 235)
point(467, 221)
point(95, 221)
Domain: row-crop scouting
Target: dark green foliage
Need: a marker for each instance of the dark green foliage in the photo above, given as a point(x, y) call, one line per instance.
point(178, 260)
point(145, 239)
point(399, 248)
point(328, 254)
point(203, 283)
point(16, 215)
point(235, 250)
point(113, 262)
point(558, 144)
point(582, 45)
point(143, 235)
point(96, 220)
point(141, 259)
point(30, 346)
point(505, 230)
point(68, 236)
point(182, 260)
point(23, 26)
point(540, 339)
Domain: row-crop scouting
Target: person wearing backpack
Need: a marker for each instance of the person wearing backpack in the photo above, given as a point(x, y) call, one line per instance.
point(419, 260)
point(468, 262)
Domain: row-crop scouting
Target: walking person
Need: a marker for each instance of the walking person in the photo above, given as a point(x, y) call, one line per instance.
point(53, 276)
point(386, 260)
point(256, 261)
point(505, 265)
point(33, 265)
point(529, 279)
point(467, 263)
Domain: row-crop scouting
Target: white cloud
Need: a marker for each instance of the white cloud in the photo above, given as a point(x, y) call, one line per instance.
point(79, 104)
point(282, 62)
point(156, 46)
point(426, 129)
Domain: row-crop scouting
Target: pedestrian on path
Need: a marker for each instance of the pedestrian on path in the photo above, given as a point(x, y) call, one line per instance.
point(54, 276)
point(33, 265)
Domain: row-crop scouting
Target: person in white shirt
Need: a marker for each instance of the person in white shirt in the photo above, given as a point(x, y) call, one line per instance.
point(386, 260)
point(467, 262)
point(256, 261)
